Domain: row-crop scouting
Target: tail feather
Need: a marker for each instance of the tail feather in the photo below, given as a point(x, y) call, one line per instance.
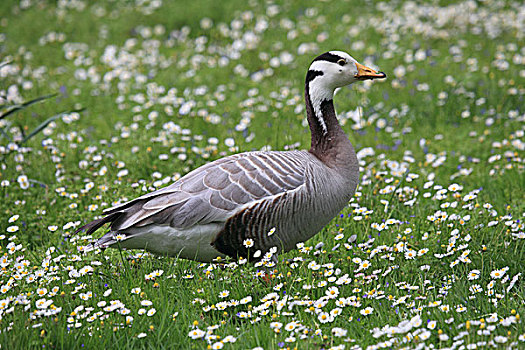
point(105, 241)
point(88, 248)
point(101, 243)
point(96, 224)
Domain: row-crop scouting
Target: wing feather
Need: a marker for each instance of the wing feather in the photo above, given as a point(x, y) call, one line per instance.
point(166, 200)
point(217, 201)
point(216, 179)
point(238, 194)
point(214, 192)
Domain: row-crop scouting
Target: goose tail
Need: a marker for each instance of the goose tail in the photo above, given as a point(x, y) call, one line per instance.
point(94, 225)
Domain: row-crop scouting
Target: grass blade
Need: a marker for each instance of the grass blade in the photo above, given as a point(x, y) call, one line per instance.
point(46, 123)
point(4, 134)
point(24, 105)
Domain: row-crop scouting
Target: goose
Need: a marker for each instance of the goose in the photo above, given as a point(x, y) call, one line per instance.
point(251, 204)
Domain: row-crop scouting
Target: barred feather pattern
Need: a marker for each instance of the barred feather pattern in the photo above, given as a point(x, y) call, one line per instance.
point(295, 215)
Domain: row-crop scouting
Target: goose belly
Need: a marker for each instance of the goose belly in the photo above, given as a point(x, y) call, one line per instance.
point(193, 243)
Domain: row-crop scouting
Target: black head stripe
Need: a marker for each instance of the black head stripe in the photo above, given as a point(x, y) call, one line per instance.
point(312, 74)
point(327, 56)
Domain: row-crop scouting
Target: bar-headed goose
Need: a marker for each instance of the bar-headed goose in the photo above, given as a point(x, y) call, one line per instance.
point(248, 204)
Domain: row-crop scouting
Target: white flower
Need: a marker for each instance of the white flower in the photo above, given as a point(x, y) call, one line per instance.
point(123, 173)
point(473, 275)
point(332, 292)
point(43, 303)
point(365, 264)
point(151, 312)
point(497, 274)
point(366, 311)
point(410, 254)
point(119, 237)
point(276, 325)
point(339, 332)
point(248, 243)
point(23, 181)
point(196, 334)
point(455, 187)
point(422, 251)
point(325, 317)
point(290, 326)
point(157, 273)
point(500, 339)
point(217, 345)
point(314, 266)
point(229, 142)
point(335, 312)
point(445, 308)
point(443, 337)
point(229, 339)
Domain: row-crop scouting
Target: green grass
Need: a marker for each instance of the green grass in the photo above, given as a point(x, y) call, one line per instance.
point(73, 170)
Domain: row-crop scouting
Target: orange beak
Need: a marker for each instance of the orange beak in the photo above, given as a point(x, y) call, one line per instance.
point(365, 73)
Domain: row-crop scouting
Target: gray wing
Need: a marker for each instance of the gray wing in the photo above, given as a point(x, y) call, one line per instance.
point(212, 193)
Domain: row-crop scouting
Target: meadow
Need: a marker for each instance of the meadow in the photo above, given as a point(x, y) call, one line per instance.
point(101, 102)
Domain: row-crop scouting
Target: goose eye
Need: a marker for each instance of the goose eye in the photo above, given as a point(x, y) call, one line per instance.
point(341, 62)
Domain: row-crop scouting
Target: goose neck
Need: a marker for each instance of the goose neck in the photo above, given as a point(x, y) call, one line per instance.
point(326, 134)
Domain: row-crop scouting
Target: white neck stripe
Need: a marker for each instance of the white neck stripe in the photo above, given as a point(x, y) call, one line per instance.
point(318, 94)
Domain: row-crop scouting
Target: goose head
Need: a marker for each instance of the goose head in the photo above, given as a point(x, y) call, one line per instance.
point(329, 71)
point(335, 69)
